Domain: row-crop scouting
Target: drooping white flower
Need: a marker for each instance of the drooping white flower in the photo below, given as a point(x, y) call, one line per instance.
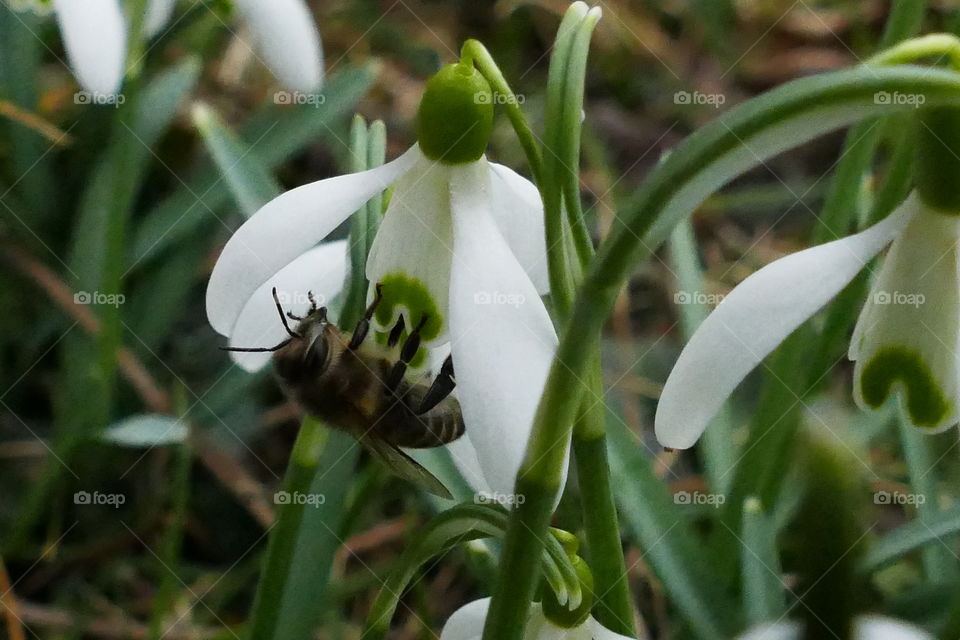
point(868, 627)
point(467, 622)
point(461, 247)
point(904, 343)
point(95, 35)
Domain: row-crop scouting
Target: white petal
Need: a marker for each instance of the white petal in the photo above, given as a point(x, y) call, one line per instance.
point(288, 40)
point(466, 623)
point(95, 36)
point(874, 627)
point(518, 210)
point(502, 338)
point(600, 632)
point(285, 228)
point(319, 271)
point(753, 319)
point(786, 630)
point(412, 251)
point(907, 333)
point(157, 15)
point(867, 627)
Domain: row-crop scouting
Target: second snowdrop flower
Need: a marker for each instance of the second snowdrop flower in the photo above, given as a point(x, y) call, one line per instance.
point(905, 341)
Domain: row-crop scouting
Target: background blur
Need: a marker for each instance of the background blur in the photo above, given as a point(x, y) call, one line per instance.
point(103, 540)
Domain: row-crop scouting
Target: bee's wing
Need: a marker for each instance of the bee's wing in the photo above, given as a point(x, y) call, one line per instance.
point(405, 466)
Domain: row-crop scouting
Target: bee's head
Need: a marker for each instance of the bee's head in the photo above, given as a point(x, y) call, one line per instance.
point(307, 352)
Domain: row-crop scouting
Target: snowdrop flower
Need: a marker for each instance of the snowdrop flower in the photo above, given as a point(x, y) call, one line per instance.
point(95, 34)
point(868, 627)
point(467, 622)
point(905, 341)
point(461, 248)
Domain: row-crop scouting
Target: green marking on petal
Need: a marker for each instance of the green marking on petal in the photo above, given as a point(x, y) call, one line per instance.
point(400, 290)
point(926, 403)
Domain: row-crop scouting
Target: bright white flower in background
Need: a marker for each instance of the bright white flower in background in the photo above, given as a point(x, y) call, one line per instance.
point(868, 627)
point(461, 245)
point(905, 341)
point(95, 35)
point(467, 622)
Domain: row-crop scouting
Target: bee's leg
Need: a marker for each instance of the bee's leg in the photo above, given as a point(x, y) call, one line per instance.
point(293, 316)
point(396, 332)
point(363, 326)
point(407, 352)
point(442, 385)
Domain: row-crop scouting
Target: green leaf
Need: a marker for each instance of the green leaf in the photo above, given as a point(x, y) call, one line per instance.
point(666, 539)
point(275, 133)
point(148, 430)
point(937, 529)
point(248, 179)
point(763, 589)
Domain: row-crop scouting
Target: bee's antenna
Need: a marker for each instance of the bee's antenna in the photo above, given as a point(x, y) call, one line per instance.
point(283, 319)
point(259, 349)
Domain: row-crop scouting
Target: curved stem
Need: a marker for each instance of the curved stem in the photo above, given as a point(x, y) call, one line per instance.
point(935, 44)
point(474, 51)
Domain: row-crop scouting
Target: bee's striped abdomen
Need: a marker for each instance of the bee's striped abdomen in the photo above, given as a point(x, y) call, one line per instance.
point(403, 427)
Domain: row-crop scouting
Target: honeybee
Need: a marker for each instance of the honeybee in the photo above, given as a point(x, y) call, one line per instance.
point(334, 377)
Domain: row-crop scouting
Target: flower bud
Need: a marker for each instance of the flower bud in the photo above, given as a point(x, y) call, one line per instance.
point(456, 115)
point(559, 614)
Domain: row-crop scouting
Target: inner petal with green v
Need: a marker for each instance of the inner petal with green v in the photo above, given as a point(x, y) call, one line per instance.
point(412, 251)
point(905, 342)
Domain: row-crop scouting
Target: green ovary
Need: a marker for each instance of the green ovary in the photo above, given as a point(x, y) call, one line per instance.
point(926, 403)
point(400, 290)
